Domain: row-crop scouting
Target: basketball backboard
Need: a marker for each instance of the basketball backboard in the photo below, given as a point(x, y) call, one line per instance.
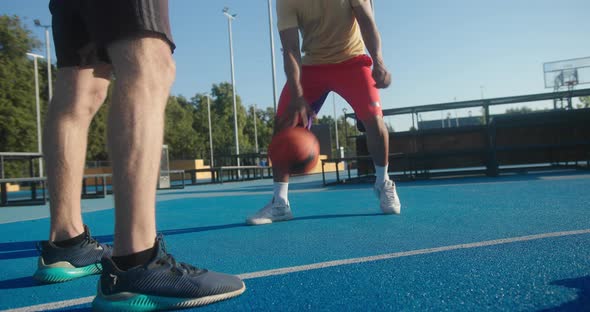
point(567, 73)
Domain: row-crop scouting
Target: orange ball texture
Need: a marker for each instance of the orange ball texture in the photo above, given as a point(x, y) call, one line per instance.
point(294, 150)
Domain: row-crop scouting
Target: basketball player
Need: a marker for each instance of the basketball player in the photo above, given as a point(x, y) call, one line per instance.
point(335, 34)
point(131, 40)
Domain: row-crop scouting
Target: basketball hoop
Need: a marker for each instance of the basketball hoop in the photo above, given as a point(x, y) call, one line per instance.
point(567, 73)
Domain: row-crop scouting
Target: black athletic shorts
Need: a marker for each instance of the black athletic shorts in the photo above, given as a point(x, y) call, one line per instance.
point(82, 29)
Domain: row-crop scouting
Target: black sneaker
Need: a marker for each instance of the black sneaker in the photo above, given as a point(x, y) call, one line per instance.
point(58, 264)
point(162, 284)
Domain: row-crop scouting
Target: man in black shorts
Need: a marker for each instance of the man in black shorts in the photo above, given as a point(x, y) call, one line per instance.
point(130, 39)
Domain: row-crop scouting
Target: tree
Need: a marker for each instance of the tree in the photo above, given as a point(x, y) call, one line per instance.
point(18, 126)
point(584, 102)
point(179, 134)
point(266, 121)
point(198, 105)
point(264, 127)
point(97, 149)
point(223, 130)
point(186, 125)
point(345, 131)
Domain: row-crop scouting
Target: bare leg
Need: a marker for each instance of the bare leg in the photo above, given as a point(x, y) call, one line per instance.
point(79, 93)
point(144, 71)
point(377, 140)
point(378, 144)
point(278, 209)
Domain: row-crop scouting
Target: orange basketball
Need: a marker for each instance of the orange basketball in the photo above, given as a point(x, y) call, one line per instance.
point(295, 150)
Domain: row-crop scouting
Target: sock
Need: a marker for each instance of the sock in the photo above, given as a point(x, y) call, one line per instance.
point(281, 190)
point(381, 174)
point(127, 262)
point(70, 242)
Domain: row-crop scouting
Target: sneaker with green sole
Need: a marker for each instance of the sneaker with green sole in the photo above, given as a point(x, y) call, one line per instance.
point(56, 264)
point(162, 284)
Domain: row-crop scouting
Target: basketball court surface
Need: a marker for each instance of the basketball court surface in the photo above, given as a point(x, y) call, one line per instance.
point(513, 243)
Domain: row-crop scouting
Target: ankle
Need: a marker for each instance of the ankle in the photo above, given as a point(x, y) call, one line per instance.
point(65, 232)
point(280, 201)
point(126, 262)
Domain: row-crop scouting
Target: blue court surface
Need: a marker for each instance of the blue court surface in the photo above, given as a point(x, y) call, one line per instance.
point(511, 243)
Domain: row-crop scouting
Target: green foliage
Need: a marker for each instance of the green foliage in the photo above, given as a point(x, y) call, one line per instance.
point(15, 38)
point(97, 133)
point(179, 134)
point(17, 94)
point(584, 102)
point(265, 127)
point(186, 127)
point(18, 123)
point(345, 131)
point(222, 117)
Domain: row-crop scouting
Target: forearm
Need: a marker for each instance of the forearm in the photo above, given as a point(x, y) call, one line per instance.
point(292, 61)
point(372, 40)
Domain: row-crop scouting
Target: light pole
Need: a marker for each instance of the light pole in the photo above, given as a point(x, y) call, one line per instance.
point(345, 125)
point(210, 133)
point(230, 18)
point(48, 51)
point(39, 146)
point(255, 129)
point(272, 56)
point(335, 123)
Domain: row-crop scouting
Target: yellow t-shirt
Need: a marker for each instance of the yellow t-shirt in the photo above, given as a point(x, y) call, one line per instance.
point(328, 27)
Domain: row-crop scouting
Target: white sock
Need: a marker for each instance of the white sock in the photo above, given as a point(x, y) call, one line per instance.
point(381, 174)
point(281, 190)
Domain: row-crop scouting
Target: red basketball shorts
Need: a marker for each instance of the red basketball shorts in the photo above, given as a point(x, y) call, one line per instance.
point(351, 79)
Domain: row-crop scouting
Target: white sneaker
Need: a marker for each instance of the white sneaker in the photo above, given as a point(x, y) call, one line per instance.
point(272, 212)
point(387, 195)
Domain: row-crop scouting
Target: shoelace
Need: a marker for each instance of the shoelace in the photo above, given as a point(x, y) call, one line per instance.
point(89, 240)
point(389, 190)
point(179, 267)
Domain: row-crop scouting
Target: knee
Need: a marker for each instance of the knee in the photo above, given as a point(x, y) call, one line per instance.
point(90, 101)
point(97, 96)
point(147, 61)
point(162, 71)
point(168, 70)
point(375, 126)
point(81, 105)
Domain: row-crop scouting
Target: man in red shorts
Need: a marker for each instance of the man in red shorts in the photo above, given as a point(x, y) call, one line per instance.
point(130, 39)
point(335, 34)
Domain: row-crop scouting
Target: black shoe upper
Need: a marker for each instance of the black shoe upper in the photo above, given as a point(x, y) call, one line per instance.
point(164, 276)
point(87, 252)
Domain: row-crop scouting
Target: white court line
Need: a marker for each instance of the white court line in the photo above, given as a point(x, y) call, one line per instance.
point(322, 265)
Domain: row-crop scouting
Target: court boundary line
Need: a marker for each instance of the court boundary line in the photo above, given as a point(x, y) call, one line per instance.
point(328, 264)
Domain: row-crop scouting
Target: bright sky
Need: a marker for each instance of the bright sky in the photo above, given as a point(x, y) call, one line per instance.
point(438, 51)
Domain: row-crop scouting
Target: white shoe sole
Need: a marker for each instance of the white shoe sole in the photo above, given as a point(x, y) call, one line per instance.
point(392, 211)
point(263, 221)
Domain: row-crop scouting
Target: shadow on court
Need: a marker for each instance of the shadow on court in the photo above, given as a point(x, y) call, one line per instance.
point(582, 303)
point(249, 189)
point(28, 249)
point(21, 282)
